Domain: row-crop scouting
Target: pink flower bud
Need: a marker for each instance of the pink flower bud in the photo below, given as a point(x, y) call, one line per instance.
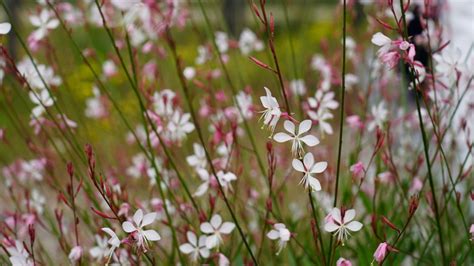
point(381, 252)
point(343, 262)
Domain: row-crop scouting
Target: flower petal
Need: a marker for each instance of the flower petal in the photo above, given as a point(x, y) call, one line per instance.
point(310, 140)
point(201, 189)
point(204, 252)
point(206, 228)
point(289, 126)
point(128, 227)
point(227, 227)
point(5, 28)
point(298, 165)
point(186, 248)
point(354, 226)
point(212, 241)
point(336, 215)
point(138, 217)
point(319, 167)
point(304, 126)
point(308, 160)
point(273, 234)
point(314, 183)
point(330, 227)
point(148, 218)
point(151, 235)
point(349, 215)
point(282, 137)
point(380, 39)
point(192, 238)
point(216, 221)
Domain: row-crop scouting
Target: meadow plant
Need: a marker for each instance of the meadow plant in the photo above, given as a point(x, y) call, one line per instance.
point(141, 133)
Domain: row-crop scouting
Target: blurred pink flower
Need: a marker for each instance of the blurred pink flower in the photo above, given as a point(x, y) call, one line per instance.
point(381, 252)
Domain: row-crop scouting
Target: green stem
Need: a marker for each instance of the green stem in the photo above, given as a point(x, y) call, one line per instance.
point(425, 145)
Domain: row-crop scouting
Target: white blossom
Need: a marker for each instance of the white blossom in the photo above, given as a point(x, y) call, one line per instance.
point(341, 223)
point(215, 229)
point(194, 247)
point(298, 137)
point(309, 168)
point(280, 233)
point(140, 221)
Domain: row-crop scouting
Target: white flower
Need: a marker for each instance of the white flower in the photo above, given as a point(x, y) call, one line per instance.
point(320, 117)
point(42, 99)
point(195, 247)
point(163, 102)
point(113, 241)
point(140, 221)
point(75, 254)
point(206, 178)
point(280, 233)
point(379, 114)
point(249, 42)
point(5, 28)
point(109, 68)
point(298, 87)
point(448, 63)
point(350, 81)
point(203, 55)
point(101, 250)
point(189, 73)
point(297, 137)
point(320, 109)
point(95, 108)
point(37, 201)
point(28, 71)
point(222, 42)
point(308, 167)
point(272, 113)
point(383, 41)
point(244, 101)
point(225, 178)
point(341, 223)
point(198, 159)
point(179, 126)
point(43, 22)
point(19, 256)
point(215, 229)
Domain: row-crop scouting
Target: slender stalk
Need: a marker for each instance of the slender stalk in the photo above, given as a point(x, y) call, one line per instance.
point(271, 39)
point(313, 211)
point(143, 114)
point(425, 145)
point(341, 114)
point(187, 97)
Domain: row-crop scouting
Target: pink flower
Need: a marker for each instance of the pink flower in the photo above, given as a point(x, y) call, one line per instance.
point(358, 170)
point(381, 252)
point(343, 262)
point(390, 58)
point(416, 185)
point(355, 122)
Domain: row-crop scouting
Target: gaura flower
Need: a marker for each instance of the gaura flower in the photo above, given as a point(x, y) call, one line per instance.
point(272, 113)
point(195, 247)
point(341, 222)
point(309, 168)
point(280, 233)
point(297, 137)
point(215, 229)
point(139, 221)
